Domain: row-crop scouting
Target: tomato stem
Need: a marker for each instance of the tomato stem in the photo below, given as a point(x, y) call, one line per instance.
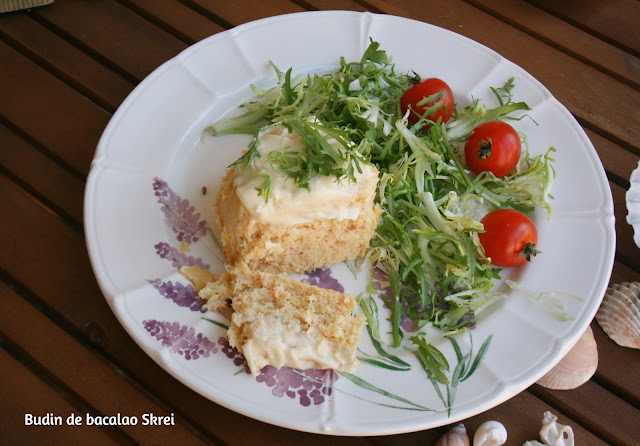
point(484, 150)
point(529, 250)
point(415, 79)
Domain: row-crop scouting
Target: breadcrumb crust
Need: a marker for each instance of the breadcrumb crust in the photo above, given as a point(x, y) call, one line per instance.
point(309, 315)
point(297, 248)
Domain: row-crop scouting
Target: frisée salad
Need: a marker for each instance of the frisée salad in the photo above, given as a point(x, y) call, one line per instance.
point(456, 185)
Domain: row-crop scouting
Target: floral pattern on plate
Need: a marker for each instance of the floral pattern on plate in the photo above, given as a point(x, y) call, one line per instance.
point(309, 386)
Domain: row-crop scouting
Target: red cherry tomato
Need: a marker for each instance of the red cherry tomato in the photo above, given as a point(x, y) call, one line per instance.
point(493, 147)
point(417, 93)
point(510, 237)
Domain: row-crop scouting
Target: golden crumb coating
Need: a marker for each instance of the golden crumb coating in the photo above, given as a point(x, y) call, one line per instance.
point(281, 322)
point(296, 248)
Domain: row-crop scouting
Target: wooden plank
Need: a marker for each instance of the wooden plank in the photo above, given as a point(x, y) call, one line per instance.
point(624, 381)
point(47, 343)
point(116, 34)
point(520, 415)
point(49, 111)
point(622, 273)
point(65, 60)
point(604, 414)
point(597, 100)
point(46, 178)
point(53, 91)
point(173, 16)
point(344, 5)
point(249, 11)
point(41, 244)
point(528, 411)
point(23, 393)
point(613, 20)
point(618, 162)
point(71, 302)
point(566, 37)
point(77, 311)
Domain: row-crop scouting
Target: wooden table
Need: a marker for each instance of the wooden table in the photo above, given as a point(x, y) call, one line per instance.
point(64, 70)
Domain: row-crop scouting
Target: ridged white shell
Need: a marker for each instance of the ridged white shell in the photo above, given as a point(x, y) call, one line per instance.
point(619, 314)
point(576, 367)
point(633, 204)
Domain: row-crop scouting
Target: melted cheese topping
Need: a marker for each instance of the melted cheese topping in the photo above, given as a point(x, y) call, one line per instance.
point(271, 343)
point(290, 204)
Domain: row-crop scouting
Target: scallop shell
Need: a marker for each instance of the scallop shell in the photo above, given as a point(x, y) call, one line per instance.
point(619, 314)
point(576, 367)
point(633, 204)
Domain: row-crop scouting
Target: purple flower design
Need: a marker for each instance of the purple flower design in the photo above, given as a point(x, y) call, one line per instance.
point(177, 258)
point(179, 214)
point(182, 295)
point(379, 277)
point(322, 278)
point(233, 353)
point(181, 339)
point(307, 385)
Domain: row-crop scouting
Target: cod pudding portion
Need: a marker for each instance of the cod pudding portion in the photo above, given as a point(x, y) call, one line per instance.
point(282, 322)
point(291, 228)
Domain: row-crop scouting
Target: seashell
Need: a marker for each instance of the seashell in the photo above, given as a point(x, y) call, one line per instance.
point(633, 203)
point(456, 436)
point(576, 367)
point(554, 434)
point(619, 314)
point(490, 433)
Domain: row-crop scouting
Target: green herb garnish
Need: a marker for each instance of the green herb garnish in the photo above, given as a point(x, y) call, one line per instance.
point(427, 243)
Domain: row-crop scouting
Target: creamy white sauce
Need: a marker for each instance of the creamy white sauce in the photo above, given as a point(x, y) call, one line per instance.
point(270, 343)
point(290, 204)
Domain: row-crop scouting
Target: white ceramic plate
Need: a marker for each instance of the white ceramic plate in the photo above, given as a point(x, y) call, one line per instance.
point(153, 181)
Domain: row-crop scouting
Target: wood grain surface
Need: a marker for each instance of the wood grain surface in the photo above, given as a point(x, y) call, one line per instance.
point(64, 70)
